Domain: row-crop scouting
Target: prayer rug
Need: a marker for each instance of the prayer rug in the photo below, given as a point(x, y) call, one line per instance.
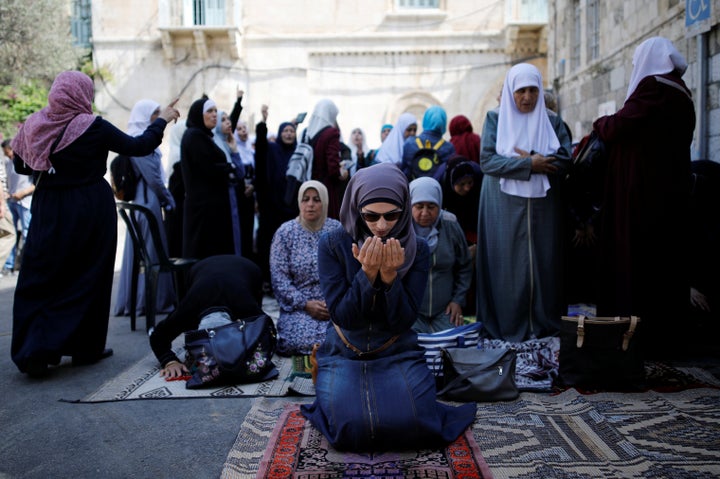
point(143, 381)
point(295, 449)
point(605, 435)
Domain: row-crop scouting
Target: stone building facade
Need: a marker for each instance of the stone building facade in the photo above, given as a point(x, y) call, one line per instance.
point(590, 49)
point(376, 59)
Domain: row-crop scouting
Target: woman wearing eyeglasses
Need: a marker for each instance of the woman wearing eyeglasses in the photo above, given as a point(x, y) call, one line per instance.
point(374, 391)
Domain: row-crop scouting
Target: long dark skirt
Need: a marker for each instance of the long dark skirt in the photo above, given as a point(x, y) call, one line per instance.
point(62, 297)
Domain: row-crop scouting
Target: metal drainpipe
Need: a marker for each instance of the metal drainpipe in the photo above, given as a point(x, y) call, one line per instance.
point(701, 103)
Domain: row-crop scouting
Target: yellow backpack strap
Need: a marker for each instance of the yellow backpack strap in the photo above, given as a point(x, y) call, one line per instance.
point(419, 142)
point(438, 144)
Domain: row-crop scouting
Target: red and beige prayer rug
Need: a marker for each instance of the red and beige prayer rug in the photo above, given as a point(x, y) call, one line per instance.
point(297, 450)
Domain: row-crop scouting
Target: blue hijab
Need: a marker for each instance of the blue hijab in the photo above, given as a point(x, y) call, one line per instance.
point(435, 119)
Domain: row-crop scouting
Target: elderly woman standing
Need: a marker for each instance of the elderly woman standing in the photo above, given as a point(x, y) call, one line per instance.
point(374, 390)
point(525, 153)
point(62, 297)
point(152, 193)
point(304, 315)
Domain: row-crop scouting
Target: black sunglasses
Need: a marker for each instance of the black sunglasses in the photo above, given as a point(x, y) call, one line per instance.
point(372, 217)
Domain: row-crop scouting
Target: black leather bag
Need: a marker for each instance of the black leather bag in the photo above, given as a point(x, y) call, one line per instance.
point(480, 375)
point(235, 353)
point(600, 353)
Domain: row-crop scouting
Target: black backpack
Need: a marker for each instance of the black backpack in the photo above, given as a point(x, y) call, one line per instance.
point(425, 161)
point(124, 178)
point(299, 169)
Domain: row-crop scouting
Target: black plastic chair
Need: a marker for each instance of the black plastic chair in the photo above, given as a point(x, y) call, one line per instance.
point(151, 266)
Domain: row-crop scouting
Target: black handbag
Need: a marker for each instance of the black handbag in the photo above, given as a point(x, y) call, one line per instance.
point(600, 353)
point(235, 353)
point(481, 375)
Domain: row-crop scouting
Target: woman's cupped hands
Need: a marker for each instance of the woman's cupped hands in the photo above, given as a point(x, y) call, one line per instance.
point(378, 257)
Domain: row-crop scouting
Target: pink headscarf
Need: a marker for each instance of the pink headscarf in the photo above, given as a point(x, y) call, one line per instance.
point(69, 104)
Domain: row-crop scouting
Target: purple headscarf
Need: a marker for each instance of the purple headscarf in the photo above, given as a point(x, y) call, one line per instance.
point(381, 183)
point(69, 105)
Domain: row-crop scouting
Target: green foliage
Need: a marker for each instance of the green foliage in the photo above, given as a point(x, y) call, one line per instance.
point(17, 102)
point(35, 41)
point(99, 72)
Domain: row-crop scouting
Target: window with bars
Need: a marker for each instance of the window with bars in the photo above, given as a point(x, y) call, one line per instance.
point(418, 3)
point(576, 39)
point(593, 30)
point(81, 23)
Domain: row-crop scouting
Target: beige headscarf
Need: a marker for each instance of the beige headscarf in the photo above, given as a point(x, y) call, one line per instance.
point(324, 198)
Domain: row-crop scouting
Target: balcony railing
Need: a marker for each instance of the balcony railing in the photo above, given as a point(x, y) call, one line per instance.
point(206, 24)
point(189, 13)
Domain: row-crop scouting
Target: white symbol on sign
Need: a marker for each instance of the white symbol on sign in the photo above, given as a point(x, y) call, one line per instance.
point(695, 8)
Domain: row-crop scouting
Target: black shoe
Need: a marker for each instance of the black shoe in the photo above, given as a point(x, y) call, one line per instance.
point(36, 368)
point(86, 361)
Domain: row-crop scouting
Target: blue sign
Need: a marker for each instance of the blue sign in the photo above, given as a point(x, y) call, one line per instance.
point(696, 11)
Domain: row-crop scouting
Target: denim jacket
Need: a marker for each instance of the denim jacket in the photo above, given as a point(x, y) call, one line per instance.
point(368, 314)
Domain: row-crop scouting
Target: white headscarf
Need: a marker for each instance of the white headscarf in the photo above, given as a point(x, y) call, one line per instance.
point(324, 114)
point(391, 150)
point(219, 137)
point(527, 131)
point(208, 104)
point(354, 149)
point(655, 56)
point(247, 153)
point(140, 118)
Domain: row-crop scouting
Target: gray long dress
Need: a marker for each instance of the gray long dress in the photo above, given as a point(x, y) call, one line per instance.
point(519, 256)
point(152, 193)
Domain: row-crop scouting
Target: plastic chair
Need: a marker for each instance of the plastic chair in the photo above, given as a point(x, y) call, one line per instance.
point(152, 266)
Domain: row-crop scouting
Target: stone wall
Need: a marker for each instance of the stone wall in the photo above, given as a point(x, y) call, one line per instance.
point(597, 87)
point(374, 61)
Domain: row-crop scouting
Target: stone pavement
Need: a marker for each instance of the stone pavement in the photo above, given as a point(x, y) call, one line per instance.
point(43, 437)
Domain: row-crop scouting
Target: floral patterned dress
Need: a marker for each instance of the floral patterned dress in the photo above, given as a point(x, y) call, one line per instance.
point(295, 280)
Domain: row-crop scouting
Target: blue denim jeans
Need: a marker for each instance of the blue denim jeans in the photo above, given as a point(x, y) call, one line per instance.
point(383, 404)
point(21, 216)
